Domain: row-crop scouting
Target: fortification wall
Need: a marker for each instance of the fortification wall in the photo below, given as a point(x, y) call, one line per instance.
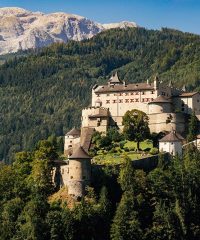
point(64, 171)
point(159, 108)
point(78, 177)
point(76, 188)
point(95, 117)
point(160, 122)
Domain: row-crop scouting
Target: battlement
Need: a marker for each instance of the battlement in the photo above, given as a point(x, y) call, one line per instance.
point(94, 107)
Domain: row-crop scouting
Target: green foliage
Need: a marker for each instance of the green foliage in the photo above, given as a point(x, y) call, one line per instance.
point(43, 93)
point(154, 151)
point(123, 203)
point(136, 126)
point(125, 224)
point(193, 128)
point(114, 135)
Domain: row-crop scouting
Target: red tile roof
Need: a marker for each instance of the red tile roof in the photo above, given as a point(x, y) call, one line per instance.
point(173, 136)
point(74, 132)
point(124, 88)
point(80, 153)
point(188, 94)
point(161, 99)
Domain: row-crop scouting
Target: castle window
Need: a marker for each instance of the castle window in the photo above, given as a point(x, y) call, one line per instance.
point(152, 92)
point(127, 100)
point(120, 100)
point(132, 100)
point(132, 93)
point(70, 141)
point(98, 95)
point(137, 93)
point(114, 101)
point(143, 93)
point(69, 146)
point(121, 94)
point(137, 99)
point(71, 177)
point(107, 101)
point(126, 94)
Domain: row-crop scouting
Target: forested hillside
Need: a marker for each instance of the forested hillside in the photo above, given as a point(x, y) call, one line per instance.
point(125, 203)
point(43, 94)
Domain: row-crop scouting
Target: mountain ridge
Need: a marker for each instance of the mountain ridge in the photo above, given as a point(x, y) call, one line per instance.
point(21, 29)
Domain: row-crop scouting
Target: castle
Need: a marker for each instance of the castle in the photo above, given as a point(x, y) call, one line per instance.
point(167, 108)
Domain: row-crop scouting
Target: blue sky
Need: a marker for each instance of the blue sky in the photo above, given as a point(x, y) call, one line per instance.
point(153, 14)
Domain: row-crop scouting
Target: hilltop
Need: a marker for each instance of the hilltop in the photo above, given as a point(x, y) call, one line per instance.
point(44, 92)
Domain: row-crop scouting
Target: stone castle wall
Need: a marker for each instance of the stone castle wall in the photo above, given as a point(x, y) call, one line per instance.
point(95, 117)
point(76, 175)
point(166, 122)
point(155, 108)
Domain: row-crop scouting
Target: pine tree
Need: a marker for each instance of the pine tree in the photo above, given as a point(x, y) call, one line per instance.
point(193, 128)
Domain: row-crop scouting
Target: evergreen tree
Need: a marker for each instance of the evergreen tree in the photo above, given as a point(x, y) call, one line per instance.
point(193, 128)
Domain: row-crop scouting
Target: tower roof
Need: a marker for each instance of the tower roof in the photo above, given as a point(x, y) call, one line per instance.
point(198, 136)
point(161, 99)
point(115, 78)
point(79, 153)
point(173, 136)
point(74, 132)
point(98, 101)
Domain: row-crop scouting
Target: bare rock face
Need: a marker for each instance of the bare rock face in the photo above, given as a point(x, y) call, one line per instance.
point(21, 29)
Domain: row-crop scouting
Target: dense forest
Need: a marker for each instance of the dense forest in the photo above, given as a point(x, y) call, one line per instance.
point(122, 203)
point(43, 93)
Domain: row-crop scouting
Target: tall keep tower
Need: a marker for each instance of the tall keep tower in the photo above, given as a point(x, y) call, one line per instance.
point(79, 173)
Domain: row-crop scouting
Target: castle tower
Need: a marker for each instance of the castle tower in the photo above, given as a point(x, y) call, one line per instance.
point(114, 80)
point(71, 139)
point(160, 105)
point(79, 175)
point(171, 143)
point(98, 103)
point(156, 82)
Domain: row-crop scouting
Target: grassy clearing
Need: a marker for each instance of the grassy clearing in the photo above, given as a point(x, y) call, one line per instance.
point(118, 157)
point(143, 145)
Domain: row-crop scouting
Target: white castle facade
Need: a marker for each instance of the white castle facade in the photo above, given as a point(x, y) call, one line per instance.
point(166, 106)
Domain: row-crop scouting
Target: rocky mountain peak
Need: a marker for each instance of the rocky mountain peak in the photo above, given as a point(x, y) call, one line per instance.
point(21, 29)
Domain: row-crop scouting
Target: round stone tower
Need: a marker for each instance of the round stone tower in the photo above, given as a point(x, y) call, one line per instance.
point(160, 105)
point(79, 175)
